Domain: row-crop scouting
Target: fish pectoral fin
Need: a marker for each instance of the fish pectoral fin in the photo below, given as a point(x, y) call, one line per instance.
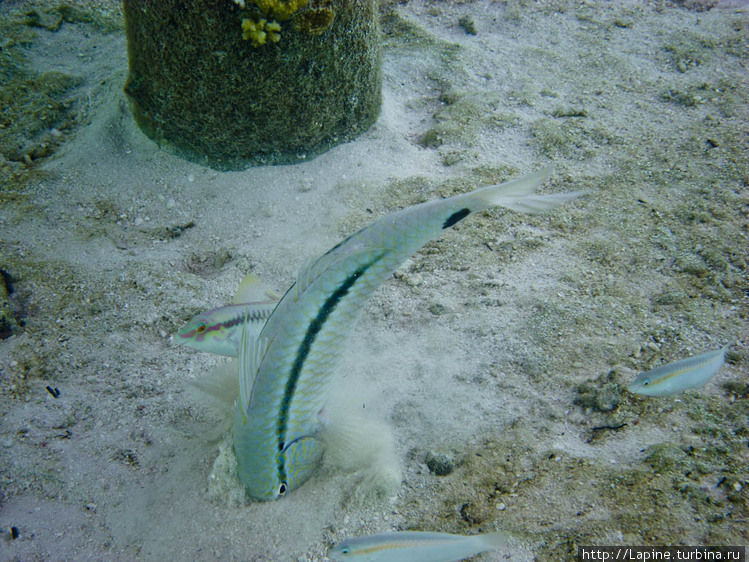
point(302, 443)
point(301, 457)
point(251, 352)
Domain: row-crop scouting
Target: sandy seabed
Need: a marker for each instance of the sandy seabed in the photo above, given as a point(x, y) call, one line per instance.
point(498, 356)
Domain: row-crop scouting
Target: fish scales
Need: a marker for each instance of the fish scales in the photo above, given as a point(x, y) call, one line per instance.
point(284, 389)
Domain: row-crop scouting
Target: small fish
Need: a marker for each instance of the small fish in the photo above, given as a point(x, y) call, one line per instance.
point(679, 375)
point(218, 330)
point(416, 546)
point(285, 373)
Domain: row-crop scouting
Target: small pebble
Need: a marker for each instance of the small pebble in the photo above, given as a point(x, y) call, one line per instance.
point(437, 309)
point(439, 464)
point(468, 25)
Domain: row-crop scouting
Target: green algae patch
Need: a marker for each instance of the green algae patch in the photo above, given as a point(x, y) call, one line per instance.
point(556, 502)
point(604, 395)
point(40, 109)
point(8, 319)
point(570, 138)
point(32, 356)
point(465, 117)
point(52, 15)
point(400, 33)
point(36, 107)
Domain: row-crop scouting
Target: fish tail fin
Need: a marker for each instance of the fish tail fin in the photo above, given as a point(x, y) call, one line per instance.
point(519, 195)
point(495, 541)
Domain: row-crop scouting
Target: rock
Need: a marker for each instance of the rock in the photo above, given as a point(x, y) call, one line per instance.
point(439, 464)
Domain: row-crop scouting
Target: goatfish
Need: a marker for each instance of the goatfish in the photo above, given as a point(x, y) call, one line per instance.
point(679, 376)
point(285, 373)
point(415, 546)
point(218, 330)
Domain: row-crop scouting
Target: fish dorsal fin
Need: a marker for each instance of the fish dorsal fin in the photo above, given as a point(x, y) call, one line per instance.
point(252, 289)
point(308, 273)
point(251, 352)
point(344, 250)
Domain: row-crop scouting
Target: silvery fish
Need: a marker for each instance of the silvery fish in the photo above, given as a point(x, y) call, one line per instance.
point(415, 546)
point(285, 373)
point(218, 330)
point(679, 375)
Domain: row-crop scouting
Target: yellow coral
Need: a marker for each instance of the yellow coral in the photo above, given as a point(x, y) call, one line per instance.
point(280, 9)
point(274, 31)
point(261, 31)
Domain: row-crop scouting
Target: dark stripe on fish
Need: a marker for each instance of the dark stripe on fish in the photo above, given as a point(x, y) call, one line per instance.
point(457, 216)
point(304, 349)
point(252, 315)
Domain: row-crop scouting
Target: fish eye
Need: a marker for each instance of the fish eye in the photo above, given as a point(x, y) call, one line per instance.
point(282, 489)
point(201, 328)
point(345, 550)
point(646, 383)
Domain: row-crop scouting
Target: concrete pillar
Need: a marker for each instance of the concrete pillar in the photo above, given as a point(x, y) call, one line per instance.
point(234, 83)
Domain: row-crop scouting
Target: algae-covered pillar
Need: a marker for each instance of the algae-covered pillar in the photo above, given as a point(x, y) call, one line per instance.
point(233, 83)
